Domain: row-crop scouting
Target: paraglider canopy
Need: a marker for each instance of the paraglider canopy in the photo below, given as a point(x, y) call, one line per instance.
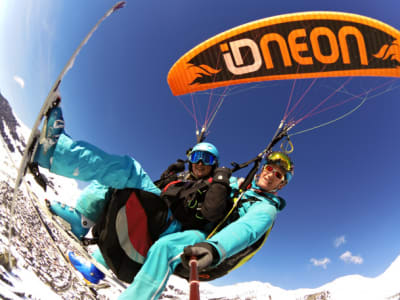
point(299, 45)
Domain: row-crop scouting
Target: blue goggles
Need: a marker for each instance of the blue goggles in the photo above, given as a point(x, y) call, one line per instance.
point(207, 158)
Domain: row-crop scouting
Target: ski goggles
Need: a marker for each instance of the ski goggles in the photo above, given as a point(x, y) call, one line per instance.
point(206, 157)
point(280, 159)
point(277, 174)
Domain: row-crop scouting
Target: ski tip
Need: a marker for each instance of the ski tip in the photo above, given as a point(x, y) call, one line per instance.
point(119, 5)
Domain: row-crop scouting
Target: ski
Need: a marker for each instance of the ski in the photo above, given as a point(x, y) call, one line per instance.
point(49, 102)
point(54, 96)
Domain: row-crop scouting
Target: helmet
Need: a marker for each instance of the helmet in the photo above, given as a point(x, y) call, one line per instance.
point(204, 147)
point(282, 160)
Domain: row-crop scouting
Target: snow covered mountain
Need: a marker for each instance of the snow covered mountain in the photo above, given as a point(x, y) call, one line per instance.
point(353, 287)
point(41, 273)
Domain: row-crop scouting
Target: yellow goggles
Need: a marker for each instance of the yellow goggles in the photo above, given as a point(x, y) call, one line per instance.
point(281, 160)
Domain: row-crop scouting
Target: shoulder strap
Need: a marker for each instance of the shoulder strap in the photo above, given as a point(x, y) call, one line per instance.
point(225, 219)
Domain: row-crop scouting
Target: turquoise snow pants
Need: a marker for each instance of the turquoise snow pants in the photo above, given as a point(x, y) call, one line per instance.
point(86, 162)
point(160, 263)
point(91, 201)
point(83, 161)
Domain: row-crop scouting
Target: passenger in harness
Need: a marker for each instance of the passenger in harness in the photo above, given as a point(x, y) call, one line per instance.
point(125, 204)
point(246, 228)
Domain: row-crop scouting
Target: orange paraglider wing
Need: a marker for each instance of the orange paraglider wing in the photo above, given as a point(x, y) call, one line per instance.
point(299, 45)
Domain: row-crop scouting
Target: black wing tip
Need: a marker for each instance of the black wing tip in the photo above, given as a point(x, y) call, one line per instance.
point(119, 5)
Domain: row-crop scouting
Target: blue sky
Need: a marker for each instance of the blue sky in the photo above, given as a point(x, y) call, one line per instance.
point(343, 210)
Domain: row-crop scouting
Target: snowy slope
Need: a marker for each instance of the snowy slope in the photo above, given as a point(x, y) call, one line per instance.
point(42, 274)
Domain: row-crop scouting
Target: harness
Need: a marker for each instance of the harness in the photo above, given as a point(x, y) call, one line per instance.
point(131, 222)
point(185, 200)
point(237, 260)
point(242, 257)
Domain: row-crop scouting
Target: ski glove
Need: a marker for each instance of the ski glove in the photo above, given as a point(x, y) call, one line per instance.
point(170, 174)
point(175, 168)
point(206, 255)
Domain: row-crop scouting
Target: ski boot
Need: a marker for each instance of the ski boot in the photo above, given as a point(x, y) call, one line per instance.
point(80, 225)
point(89, 271)
point(51, 131)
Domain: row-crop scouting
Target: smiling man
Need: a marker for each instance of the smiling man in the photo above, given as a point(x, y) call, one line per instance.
point(276, 173)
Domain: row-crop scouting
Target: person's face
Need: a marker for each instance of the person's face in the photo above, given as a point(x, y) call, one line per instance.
point(271, 178)
point(200, 170)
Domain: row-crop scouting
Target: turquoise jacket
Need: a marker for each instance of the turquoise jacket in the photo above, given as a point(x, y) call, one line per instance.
point(255, 218)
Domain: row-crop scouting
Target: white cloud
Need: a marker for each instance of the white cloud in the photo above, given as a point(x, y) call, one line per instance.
point(19, 80)
point(320, 262)
point(339, 241)
point(350, 258)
